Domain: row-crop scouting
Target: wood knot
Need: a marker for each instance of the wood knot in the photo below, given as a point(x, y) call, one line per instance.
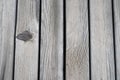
point(24, 36)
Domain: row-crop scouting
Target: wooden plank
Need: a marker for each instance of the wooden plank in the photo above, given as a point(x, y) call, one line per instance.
point(51, 59)
point(26, 59)
point(7, 24)
point(77, 55)
point(102, 54)
point(117, 34)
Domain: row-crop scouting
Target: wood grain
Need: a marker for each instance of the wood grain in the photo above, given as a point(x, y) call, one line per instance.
point(7, 24)
point(117, 34)
point(51, 59)
point(26, 59)
point(77, 55)
point(102, 53)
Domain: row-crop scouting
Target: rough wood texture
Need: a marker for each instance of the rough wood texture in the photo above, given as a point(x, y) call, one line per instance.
point(26, 59)
point(7, 25)
point(117, 34)
point(102, 53)
point(51, 65)
point(77, 56)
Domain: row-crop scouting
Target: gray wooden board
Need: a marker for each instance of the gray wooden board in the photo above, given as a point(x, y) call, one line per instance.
point(77, 55)
point(102, 54)
point(26, 59)
point(117, 34)
point(51, 59)
point(7, 24)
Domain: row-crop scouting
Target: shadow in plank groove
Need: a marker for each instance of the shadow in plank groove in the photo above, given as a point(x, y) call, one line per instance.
point(16, 12)
point(64, 39)
point(39, 46)
point(89, 34)
point(114, 40)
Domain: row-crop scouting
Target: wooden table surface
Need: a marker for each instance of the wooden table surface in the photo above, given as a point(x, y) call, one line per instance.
point(59, 39)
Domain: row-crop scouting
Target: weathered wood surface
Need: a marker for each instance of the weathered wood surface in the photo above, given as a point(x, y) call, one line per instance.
point(77, 55)
point(51, 45)
point(117, 34)
point(26, 59)
point(102, 54)
point(51, 59)
point(7, 26)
